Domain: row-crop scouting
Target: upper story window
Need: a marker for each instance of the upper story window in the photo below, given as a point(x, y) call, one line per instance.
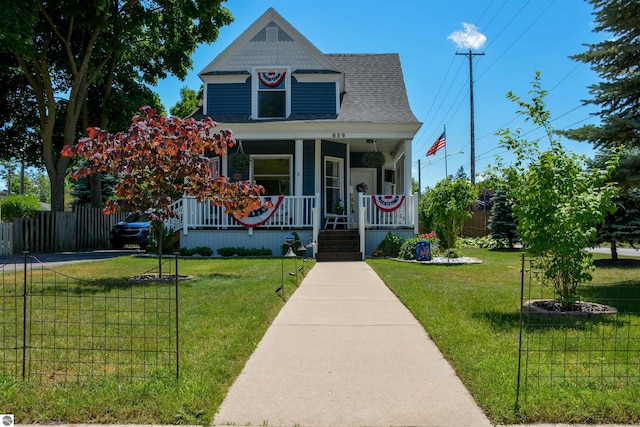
point(272, 97)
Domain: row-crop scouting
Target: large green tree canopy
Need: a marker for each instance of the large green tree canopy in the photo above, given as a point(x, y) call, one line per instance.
point(78, 50)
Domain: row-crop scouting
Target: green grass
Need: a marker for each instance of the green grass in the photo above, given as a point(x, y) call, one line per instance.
point(471, 312)
point(224, 312)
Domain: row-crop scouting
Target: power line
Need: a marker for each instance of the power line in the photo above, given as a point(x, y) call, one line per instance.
point(516, 40)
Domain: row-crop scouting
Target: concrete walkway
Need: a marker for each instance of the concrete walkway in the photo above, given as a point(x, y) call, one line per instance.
point(344, 351)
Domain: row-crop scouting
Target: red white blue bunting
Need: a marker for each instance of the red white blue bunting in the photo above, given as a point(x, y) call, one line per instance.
point(388, 203)
point(261, 215)
point(271, 78)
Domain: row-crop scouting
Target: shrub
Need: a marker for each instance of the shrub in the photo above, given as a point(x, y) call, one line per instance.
point(186, 251)
point(240, 251)
point(390, 246)
point(19, 206)
point(487, 242)
point(204, 251)
point(408, 248)
point(227, 251)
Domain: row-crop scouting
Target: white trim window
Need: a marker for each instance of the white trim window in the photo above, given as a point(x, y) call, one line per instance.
point(271, 97)
point(333, 185)
point(214, 167)
point(273, 172)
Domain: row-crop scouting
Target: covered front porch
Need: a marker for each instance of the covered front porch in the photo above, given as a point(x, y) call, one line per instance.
point(203, 224)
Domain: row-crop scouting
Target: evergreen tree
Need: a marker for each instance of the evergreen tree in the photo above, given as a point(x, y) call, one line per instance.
point(81, 189)
point(624, 224)
point(616, 61)
point(501, 222)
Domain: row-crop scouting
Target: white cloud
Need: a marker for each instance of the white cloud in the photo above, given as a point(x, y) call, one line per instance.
point(469, 38)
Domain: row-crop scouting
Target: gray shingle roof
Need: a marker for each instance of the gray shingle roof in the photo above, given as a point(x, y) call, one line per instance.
point(375, 90)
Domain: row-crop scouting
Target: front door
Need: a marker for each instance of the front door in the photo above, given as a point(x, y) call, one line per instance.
point(362, 179)
point(333, 186)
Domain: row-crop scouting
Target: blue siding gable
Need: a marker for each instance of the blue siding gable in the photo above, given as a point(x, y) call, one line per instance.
point(229, 98)
point(234, 99)
point(313, 98)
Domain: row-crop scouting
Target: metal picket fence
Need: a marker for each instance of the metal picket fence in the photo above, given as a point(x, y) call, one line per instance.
point(596, 349)
point(59, 328)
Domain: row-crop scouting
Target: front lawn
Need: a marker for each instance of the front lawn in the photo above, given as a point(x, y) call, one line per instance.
point(471, 312)
point(224, 312)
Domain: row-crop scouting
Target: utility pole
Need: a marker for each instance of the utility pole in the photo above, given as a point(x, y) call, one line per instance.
point(419, 178)
point(470, 55)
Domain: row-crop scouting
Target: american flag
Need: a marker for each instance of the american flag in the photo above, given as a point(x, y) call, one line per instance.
point(440, 143)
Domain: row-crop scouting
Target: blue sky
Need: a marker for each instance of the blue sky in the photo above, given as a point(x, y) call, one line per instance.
point(521, 37)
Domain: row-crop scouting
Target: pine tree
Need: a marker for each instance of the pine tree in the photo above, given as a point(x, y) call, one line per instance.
point(501, 221)
point(624, 224)
point(616, 61)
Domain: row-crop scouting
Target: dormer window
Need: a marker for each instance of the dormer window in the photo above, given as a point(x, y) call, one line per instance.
point(271, 93)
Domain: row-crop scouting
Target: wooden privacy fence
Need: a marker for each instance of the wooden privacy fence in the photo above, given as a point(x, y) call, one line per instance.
point(83, 229)
point(6, 233)
point(478, 224)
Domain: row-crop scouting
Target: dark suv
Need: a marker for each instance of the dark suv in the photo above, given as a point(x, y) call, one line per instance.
point(134, 230)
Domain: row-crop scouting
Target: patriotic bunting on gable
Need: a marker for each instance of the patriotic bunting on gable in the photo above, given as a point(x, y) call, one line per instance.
point(260, 215)
point(271, 78)
point(388, 203)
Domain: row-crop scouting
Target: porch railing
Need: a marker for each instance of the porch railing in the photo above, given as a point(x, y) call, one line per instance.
point(293, 212)
point(405, 216)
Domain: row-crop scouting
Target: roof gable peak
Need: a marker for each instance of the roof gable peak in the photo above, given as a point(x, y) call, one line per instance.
point(271, 41)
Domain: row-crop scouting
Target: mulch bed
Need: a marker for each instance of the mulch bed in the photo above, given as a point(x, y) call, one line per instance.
point(580, 308)
point(153, 277)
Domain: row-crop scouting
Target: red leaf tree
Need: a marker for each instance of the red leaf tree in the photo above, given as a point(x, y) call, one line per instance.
point(161, 159)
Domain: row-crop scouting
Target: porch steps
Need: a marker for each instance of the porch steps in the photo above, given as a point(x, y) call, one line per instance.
point(338, 245)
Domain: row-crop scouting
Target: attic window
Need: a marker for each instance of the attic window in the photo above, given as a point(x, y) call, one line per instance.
point(272, 34)
point(272, 94)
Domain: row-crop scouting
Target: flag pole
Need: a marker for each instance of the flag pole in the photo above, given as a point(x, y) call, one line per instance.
point(446, 170)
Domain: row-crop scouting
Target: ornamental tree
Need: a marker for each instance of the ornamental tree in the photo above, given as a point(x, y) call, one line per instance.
point(557, 200)
point(161, 159)
point(447, 205)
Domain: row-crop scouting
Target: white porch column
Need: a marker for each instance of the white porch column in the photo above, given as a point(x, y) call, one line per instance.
point(297, 181)
point(224, 164)
point(318, 166)
point(297, 161)
point(407, 167)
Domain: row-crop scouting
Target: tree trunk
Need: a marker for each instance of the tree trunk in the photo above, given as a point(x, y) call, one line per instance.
point(57, 189)
point(22, 177)
point(95, 184)
point(614, 251)
point(160, 229)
